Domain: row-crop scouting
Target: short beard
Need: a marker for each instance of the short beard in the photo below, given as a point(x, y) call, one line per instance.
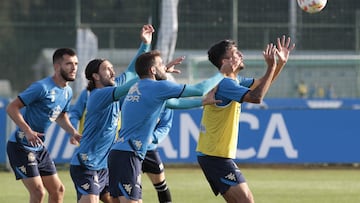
point(107, 83)
point(160, 76)
point(64, 75)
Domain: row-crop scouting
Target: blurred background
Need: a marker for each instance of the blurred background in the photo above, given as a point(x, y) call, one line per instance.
point(312, 108)
point(325, 63)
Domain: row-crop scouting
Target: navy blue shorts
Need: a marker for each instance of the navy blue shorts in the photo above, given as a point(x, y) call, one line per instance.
point(152, 162)
point(125, 175)
point(221, 173)
point(89, 181)
point(27, 163)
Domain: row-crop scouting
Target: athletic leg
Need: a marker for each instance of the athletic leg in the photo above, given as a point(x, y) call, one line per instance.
point(154, 168)
point(239, 194)
point(89, 198)
point(54, 187)
point(106, 198)
point(159, 182)
point(35, 188)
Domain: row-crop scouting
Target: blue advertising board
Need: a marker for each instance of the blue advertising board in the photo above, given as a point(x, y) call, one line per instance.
point(265, 136)
point(276, 136)
point(294, 135)
point(3, 104)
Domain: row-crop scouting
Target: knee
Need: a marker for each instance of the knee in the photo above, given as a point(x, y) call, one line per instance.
point(37, 194)
point(61, 190)
point(58, 192)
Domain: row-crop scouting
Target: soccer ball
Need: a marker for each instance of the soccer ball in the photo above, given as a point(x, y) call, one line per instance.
point(312, 6)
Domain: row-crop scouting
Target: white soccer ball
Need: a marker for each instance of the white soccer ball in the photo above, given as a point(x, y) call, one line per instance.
point(312, 6)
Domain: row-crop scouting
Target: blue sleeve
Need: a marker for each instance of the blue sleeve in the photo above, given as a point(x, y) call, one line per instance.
point(246, 82)
point(163, 127)
point(203, 87)
point(230, 90)
point(130, 71)
point(77, 110)
point(183, 103)
point(122, 90)
point(34, 92)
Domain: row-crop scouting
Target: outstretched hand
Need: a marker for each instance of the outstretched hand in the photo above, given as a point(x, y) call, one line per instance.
point(146, 33)
point(210, 98)
point(269, 55)
point(170, 67)
point(284, 48)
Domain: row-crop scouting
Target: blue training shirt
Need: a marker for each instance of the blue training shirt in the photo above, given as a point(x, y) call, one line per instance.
point(101, 121)
point(140, 112)
point(44, 101)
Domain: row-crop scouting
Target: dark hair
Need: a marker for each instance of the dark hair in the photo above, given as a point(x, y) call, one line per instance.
point(92, 67)
point(217, 51)
point(145, 61)
point(59, 53)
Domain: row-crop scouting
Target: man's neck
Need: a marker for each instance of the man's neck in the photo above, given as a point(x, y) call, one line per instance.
point(59, 81)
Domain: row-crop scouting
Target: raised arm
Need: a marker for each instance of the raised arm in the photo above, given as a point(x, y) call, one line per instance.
point(188, 103)
point(257, 94)
point(183, 103)
point(283, 51)
point(203, 87)
point(146, 38)
point(123, 89)
point(170, 67)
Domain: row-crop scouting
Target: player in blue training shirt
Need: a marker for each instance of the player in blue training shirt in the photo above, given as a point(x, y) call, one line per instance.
point(152, 164)
point(88, 167)
point(140, 112)
point(46, 101)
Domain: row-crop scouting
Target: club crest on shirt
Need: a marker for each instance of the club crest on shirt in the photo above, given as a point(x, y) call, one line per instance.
point(54, 113)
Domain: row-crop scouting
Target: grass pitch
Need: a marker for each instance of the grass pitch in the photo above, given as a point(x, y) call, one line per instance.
point(269, 185)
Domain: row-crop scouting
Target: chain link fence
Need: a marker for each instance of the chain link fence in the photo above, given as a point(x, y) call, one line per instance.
point(29, 27)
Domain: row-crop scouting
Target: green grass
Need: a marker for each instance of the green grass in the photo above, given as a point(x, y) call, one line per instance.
point(269, 185)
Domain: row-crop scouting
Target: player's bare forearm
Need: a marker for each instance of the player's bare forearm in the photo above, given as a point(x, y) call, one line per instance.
point(257, 94)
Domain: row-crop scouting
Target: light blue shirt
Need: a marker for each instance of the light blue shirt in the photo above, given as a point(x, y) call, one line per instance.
point(101, 120)
point(44, 101)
